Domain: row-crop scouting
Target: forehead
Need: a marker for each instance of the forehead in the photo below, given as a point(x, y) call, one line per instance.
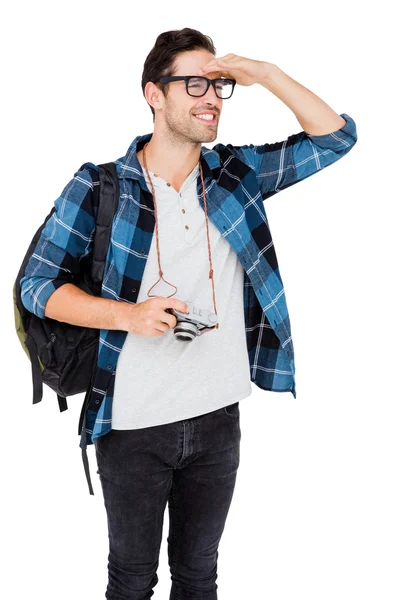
point(188, 63)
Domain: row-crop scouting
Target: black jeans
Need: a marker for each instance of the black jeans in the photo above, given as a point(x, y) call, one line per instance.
point(192, 464)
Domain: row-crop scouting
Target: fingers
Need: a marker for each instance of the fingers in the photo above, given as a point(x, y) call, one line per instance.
point(215, 62)
point(217, 67)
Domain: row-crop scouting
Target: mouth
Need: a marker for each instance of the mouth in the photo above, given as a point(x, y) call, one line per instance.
point(206, 121)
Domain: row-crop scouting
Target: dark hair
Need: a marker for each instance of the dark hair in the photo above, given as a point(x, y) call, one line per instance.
point(161, 59)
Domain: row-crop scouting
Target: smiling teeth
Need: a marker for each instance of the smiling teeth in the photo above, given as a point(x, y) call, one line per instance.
point(207, 117)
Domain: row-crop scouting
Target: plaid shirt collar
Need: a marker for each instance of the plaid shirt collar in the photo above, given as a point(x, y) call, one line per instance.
point(131, 168)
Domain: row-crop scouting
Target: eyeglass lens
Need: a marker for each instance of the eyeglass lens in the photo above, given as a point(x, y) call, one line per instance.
point(197, 87)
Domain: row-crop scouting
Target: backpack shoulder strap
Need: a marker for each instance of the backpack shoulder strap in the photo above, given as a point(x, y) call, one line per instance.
point(108, 203)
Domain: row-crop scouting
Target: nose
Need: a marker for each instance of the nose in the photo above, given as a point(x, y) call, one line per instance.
point(210, 97)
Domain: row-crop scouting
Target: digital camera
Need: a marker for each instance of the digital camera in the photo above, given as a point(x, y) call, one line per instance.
point(196, 322)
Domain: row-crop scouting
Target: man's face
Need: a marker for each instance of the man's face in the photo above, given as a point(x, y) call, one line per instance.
point(179, 108)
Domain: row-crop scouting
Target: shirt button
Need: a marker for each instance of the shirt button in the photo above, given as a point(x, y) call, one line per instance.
point(109, 367)
point(186, 226)
point(168, 184)
point(183, 210)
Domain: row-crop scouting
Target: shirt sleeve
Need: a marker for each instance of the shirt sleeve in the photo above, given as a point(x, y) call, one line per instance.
point(66, 237)
point(282, 164)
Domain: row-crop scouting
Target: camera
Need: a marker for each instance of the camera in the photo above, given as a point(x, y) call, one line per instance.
point(196, 322)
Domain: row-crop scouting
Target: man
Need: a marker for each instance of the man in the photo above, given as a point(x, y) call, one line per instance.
point(173, 434)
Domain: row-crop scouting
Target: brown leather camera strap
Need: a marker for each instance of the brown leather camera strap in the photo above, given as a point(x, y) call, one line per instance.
point(211, 272)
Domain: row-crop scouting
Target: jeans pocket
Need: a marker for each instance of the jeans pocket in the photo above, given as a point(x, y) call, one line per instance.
point(232, 410)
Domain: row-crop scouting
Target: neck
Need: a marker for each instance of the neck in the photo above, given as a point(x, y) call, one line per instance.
point(172, 160)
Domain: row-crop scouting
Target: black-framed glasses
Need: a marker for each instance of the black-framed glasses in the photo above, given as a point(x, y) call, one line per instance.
point(197, 85)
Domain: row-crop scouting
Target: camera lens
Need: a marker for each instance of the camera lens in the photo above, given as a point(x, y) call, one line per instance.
point(185, 331)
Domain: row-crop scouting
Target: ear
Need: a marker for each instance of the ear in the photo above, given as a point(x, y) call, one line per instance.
point(153, 94)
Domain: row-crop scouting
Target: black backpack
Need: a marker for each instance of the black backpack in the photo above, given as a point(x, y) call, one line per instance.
point(64, 356)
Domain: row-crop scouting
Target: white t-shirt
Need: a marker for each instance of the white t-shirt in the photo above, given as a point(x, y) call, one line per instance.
point(160, 380)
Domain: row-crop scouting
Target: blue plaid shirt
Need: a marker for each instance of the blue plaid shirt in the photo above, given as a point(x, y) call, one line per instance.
point(237, 180)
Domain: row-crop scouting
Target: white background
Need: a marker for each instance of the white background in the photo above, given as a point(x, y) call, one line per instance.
point(315, 513)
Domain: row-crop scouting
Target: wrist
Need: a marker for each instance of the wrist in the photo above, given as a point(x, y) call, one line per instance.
point(270, 71)
point(125, 316)
point(119, 315)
